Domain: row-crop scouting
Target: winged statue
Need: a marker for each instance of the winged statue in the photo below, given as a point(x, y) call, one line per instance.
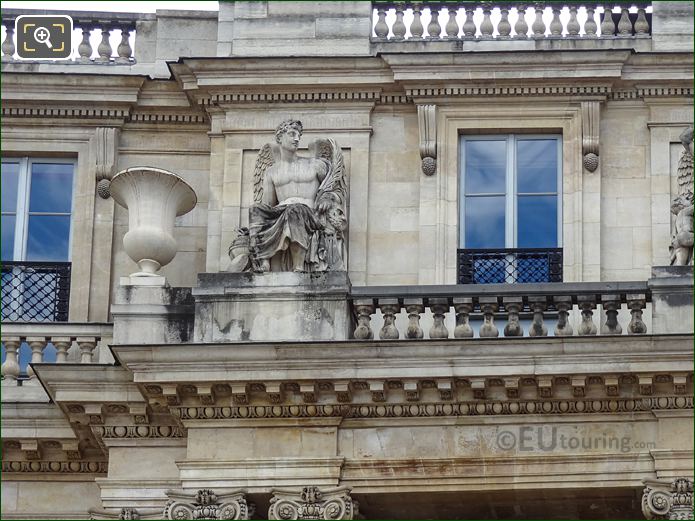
point(682, 206)
point(298, 219)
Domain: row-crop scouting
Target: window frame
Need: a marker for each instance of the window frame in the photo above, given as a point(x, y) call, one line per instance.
point(22, 212)
point(511, 194)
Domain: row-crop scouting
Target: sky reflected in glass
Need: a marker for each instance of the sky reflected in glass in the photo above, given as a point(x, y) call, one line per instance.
point(48, 238)
point(10, 180)
point(486, 163)
point(51, 188)
point(536, 165)
point(485, 222)
point(537, 221)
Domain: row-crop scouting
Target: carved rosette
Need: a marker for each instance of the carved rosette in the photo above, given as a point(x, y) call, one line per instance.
point(205, 504)
point(311, 503)
point(668, 500)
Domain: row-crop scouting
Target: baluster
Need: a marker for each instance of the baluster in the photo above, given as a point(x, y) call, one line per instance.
point(434, 29)
point(641, 24)
point(521, 27)
point(469, 24)
point(10, 367)
point(380, 28)
point(124, 50)
point(636, 303)
point(364, 310)
point(538, 305)
point(416, 28)
point(488, 305)
point(611, 305)
point(538, 26)
point(104, 48)
point(463, 307)
point(452, 26)
point(389, 308)
point(607, 25)
point(590, 24)
point(563, 306)
point(504, 27)
point(624, 24)
point(555, 23)
point(86, 345)
point(85, 48)
point(573, 24)
point(587, 304)
point(8, 47)
point(37, 345)
point(513, 305)
point(486, 27)
point(398, 25)
point(62, 345)
point(439, 308)
point(414, 307)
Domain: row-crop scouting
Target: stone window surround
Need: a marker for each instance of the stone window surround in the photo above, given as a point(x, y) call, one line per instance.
point(439, 193)
point(89, 294)
point(23, 194)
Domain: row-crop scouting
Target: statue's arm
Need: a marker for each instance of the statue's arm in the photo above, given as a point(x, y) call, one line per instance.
point(269, 196)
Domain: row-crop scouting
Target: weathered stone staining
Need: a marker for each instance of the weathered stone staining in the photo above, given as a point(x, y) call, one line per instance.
point(681, 248)
point(298, 219)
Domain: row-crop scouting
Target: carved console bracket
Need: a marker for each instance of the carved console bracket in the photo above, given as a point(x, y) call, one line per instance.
point(205, 504)
point(312, 503)
point(106, 146)
point(668, 499)
point(590, 131)
point(427, 124)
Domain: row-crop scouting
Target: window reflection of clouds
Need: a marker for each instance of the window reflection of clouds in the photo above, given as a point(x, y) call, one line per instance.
point(51, 188)
point(8, 225)
point(485, 166)
point(10, 180)
point(537, 222)
point(536, 165)
point(485, 222)
point(48, 238)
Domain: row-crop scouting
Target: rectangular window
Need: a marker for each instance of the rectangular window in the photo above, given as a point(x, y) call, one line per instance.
point(510, 209)
point(36, 233)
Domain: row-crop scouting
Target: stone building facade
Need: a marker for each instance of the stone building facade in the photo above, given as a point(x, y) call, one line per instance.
point(437, 377)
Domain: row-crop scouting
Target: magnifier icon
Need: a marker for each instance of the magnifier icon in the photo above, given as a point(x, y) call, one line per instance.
point(43, 35)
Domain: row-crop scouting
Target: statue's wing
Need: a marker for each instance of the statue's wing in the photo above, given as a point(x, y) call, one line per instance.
point(266, 158)
point(334, 183)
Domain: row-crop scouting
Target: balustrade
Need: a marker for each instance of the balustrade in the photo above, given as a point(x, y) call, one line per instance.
point(496, 310)
point(70, 342)
point(398, 21)
point(101, 27)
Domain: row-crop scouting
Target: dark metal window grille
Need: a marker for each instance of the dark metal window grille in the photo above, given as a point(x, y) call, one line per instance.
point(510, 265)
point(35, 291)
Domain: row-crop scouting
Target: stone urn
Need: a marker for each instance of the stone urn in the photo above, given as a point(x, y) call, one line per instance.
point(154, 198)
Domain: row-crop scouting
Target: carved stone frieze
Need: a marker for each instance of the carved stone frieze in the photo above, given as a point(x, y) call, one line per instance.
point(138, 431)
point(56, 467)
point(668, 499)
point(206, 504)
point(311, 503)
point(577, 405)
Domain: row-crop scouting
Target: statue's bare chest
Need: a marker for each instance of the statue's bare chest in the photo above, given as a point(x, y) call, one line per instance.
point(299, 171)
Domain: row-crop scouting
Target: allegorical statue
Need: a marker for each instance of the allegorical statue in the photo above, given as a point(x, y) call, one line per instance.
point(681, 247)
point(298, 218)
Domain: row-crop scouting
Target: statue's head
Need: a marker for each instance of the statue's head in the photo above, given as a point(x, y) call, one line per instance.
point(288, 133)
